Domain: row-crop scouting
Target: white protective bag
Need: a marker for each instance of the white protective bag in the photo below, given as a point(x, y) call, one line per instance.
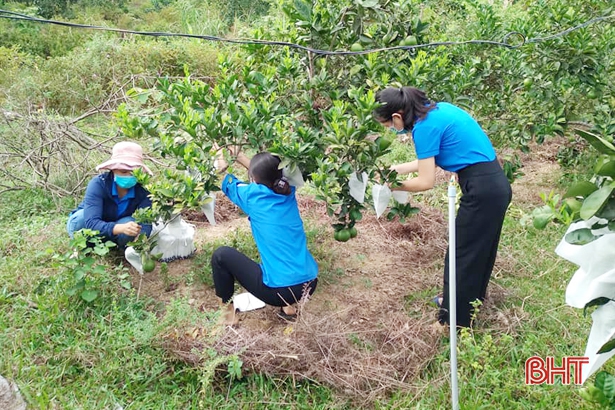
point(595, 278)
point(382, 196)
point(357, 187)
point(209, 207)
point(175, 240)
point(596, 274)
point(401, 196)
point(294, 176)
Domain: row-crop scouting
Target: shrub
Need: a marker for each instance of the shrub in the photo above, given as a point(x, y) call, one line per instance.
point(87, 76)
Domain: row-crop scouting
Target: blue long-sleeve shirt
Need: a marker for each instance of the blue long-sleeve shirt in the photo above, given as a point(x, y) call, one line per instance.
point(100, 210)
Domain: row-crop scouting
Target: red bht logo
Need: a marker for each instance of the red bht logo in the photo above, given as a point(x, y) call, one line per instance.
point(537, 371)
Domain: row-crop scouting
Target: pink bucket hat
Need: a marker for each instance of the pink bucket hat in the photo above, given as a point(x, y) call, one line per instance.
point(125, 156)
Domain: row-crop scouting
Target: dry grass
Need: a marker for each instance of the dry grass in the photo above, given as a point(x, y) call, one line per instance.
point(358, 333)
point(367, 331)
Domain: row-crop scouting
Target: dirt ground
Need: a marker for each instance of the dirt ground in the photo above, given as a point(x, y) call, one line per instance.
point(370, 327)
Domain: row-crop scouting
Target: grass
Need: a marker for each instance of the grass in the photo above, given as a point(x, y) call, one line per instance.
point(66, 354)
point(491, 364)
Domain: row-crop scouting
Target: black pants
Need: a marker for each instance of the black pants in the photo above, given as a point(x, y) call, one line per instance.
point(486, 195)
point(228, 265)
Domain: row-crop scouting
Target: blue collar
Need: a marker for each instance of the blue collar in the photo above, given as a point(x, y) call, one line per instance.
point(129, 195)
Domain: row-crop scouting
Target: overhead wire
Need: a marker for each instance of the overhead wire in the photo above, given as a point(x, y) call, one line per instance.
point(506, 40)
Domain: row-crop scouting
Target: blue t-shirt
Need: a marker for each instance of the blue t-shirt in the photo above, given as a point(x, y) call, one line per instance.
point(123, 202)
point(453, 137)
point(278, 232)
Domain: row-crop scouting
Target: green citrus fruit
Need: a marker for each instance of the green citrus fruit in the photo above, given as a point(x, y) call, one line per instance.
point(343, 235)
point(355, 215)
point(527, 83)
point(409, 41)
point(353, 232)
point(147, 263)
point(383, 143)
point(356, 47)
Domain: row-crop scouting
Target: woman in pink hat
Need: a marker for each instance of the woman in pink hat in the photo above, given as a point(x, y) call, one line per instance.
point(112, 197)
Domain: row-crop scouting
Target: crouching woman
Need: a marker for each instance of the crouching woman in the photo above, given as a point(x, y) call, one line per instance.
point(287, 269)
point(112, 197)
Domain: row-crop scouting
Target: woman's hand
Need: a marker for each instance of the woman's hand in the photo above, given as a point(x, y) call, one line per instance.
point(128, 229)
point(406, 168)
point(220, 164)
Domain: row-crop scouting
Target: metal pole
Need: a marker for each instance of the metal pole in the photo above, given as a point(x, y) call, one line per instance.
point(452, 290)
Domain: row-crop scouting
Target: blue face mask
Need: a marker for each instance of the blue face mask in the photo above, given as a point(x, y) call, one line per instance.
point(398, 132)
point(126, 182)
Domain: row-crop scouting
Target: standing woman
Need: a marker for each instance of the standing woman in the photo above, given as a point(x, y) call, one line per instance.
point(448, 137)
point(287, 269)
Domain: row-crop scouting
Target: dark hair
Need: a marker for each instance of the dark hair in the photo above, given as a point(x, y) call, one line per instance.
point(410, 102)
point(265, 169)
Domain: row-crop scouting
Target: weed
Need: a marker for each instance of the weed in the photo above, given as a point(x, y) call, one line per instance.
point(84, 263)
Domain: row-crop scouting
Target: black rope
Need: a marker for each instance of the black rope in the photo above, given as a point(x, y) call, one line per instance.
point(506, 40)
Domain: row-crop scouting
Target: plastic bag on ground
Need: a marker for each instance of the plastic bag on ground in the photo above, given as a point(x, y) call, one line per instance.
point(245, 302)
point(382, 196)
point(357, 187)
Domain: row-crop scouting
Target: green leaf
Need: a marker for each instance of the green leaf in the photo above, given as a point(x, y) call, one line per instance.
point(89, 295)
point(607, 169)
point(581, 236)
point(595, 202)
point(608, 211)
point(597, 142)
point(79, 274)
point(606, 383)
point(593, 394)
point(88, 261)
point(101, 250)
point(598, 225)
point(542, 216)
point(596, 302)
point(582, 188)
point(368, 3)
point(573, 204)
point(304, 9)
point(99, 269)
point(607, 347)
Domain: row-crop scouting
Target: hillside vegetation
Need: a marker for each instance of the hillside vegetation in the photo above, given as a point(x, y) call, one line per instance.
point(540, 70)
